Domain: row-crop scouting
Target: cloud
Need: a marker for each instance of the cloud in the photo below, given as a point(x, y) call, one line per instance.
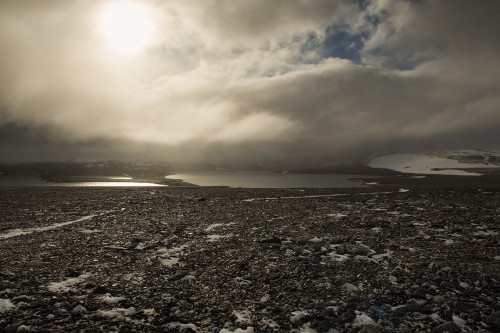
point(254, 80)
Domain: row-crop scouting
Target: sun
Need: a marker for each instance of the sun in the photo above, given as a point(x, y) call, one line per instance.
point(126, 27)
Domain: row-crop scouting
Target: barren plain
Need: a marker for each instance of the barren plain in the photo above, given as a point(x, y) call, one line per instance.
point(249, 260)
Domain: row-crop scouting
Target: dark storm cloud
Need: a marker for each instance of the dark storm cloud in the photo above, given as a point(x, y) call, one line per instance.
point(295, 81)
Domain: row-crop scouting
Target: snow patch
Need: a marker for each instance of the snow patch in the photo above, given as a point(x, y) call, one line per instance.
point(213, 226)
point(424, 164)
point(170, 257)
point(183, 326)
point(214, 238)
point(6, 305)
point(66, 285)
point(337, 257)
point(270, 323)
point(116, 312)
point(349, 287)
point(298, 315)
point(238, 330)
point(337, 215)
point(362, 319)
point(243, 317)
point(89, 231)
point(485, 233)
point(216, 225)
point(19, 232)
point(112, 300)
point(170, 261)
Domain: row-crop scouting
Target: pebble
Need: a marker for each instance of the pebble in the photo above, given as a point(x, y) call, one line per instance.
point(23, 329)
point(369, 329)
point(78, 309)
point(358, 250)
point(21, 298)
point(493, 319)
point(448, 327)
point(464, 306)
point(100, 290)
point(322, 325)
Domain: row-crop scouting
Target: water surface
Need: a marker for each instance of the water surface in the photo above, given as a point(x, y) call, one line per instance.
point(34, 181)
point(262, 179)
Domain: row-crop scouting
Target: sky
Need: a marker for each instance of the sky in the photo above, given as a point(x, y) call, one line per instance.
point(298, 82)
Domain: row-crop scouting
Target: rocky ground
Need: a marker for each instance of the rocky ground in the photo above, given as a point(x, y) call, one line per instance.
point(247, 260)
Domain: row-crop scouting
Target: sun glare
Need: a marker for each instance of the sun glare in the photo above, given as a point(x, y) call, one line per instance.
point(126, 27)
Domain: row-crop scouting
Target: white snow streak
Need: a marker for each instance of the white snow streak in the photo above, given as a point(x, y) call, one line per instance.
point(19, 232)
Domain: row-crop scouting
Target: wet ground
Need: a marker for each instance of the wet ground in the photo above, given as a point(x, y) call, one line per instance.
point(249, 260)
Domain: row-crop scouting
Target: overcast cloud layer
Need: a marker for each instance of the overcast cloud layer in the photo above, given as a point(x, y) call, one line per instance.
point(304, 82)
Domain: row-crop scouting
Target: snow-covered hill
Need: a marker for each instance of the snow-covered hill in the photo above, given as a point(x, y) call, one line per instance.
point(459, 163)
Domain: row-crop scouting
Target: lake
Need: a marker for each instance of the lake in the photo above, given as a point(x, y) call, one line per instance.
point(245, 179)
point(262, 179)
point(34, 181)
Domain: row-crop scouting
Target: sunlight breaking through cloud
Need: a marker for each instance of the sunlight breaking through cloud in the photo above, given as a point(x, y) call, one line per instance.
point(304, 80)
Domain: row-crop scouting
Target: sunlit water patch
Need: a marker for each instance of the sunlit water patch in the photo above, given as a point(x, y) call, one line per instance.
point(34, 181)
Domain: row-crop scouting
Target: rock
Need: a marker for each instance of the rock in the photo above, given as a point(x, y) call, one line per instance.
point(272, 240)
point(476, 316)
point(376, 313)
point(358, 250)
point(459, 306)
point(493, 319)
point(11, 328)
point(6, 273)
point(179, 276)
point(188, 278)
point(411, 307)
point(78, 309)
point(339, 281)
point(21, 298)
point(72, 273)
point(369, 329)
point(439, 299)
point(302, 240)
point(100, 290)
point(459, 321)
point(322, 325)
point(449, 327)
point(23, 329)
point(439, 266)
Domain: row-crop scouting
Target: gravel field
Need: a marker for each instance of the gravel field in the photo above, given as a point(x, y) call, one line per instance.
point(249, 260)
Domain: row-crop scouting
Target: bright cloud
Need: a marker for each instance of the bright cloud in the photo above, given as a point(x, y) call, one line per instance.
point(305, 80)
